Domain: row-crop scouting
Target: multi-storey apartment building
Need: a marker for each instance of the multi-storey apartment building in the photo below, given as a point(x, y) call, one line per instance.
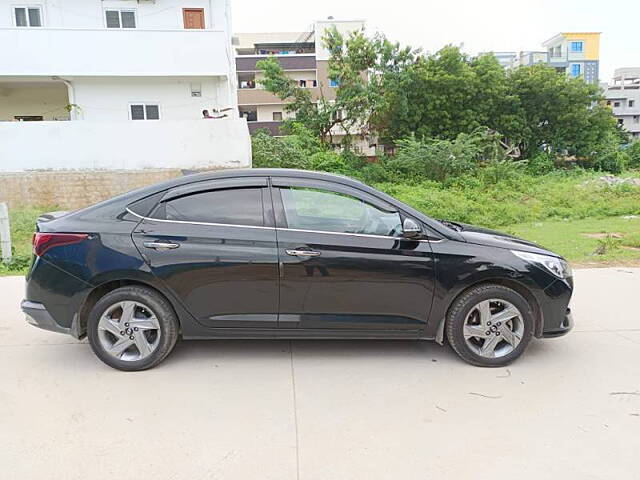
point(623, 96)
point(304, 58)
point(575, 53)
point(118, 84)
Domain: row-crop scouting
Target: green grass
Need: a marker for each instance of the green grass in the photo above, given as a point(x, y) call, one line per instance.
point(571, 239)
point(518, 199)
point(23, 222)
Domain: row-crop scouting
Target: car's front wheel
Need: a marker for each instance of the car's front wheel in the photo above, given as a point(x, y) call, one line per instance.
point(132, 328)
point(490, 325)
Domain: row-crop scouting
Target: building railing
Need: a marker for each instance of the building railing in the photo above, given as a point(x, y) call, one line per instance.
point(287, 62)
point(187, 144)
point(272, 127)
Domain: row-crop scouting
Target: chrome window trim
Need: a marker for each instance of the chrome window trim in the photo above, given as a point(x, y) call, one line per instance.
point(343, 233)
point(272, 228)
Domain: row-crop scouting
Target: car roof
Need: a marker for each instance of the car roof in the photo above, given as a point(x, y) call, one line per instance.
point(259, 172)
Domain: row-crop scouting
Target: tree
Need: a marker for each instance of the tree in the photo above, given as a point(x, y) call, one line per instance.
point(441, 96)
point(318, 116)
point(393, 93)
point(357, 64)
point(557, 113)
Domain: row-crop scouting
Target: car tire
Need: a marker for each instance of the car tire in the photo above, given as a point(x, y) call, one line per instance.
point(160, 331)
point(467, 316)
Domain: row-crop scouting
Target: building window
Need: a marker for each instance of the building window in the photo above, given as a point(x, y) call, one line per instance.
point(577, 47)
point(616, 104)
point(28, 118)
point(555, 52)
point(576, 70)
point(120, 18)
point(196, 90)
point(28, 16)
point(277, 116)
point(621, 122)
point(144, 111)
point(631, 103)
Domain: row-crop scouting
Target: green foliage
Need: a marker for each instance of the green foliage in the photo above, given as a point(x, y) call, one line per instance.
point(634, 154)
point(318, 117)
point(290, 151)
point(439, 160)
point(609, 243)
point(608, 156)
point(22, 222)
point(518, 198)
point(541, 163)
point(302, 150)
point(394, 92)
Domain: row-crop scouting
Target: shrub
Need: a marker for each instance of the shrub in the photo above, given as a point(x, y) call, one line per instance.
point(436, 159)
point(290, 151)
point(541, 164)
point(634, 154)
point(611, 160)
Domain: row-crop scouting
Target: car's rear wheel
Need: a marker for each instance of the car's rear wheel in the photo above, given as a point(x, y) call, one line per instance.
point(132, 328)
point(490, 325)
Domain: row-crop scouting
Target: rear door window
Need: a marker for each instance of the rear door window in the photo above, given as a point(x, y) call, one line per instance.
point(240, 206)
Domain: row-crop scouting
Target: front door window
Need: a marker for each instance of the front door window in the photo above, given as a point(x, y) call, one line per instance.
point(325, 211)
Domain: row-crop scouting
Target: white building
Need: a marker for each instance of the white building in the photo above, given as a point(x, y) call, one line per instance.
point(115, 84)
point(623, 96)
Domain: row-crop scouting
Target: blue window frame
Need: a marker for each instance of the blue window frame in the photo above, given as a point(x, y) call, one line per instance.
point(576, 70)
point(577, 47)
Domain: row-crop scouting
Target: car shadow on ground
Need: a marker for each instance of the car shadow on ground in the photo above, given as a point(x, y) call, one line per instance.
point(396, 350)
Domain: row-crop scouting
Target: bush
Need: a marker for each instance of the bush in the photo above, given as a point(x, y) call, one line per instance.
point(634, 154)
point(435, 159)
point(290, 151)
point(611, 160)
point(541, 164)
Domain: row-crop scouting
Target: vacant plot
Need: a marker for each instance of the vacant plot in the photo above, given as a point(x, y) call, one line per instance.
point(588, 241)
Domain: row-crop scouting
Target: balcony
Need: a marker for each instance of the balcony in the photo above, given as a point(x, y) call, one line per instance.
point(259, 96)
point(113, 52)
point(288, 62)
point(272, 127)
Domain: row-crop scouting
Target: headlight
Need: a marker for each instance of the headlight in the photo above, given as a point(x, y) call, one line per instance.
point(555, 265)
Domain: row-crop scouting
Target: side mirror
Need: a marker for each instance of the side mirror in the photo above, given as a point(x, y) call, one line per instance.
point(410, 229)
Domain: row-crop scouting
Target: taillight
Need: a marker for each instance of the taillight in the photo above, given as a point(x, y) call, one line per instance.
point(43, 242)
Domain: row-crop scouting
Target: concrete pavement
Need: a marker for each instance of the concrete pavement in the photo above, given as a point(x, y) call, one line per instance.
point(329, 410)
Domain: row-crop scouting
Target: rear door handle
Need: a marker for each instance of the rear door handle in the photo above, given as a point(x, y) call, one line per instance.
point(161, 245)
point(303, 253)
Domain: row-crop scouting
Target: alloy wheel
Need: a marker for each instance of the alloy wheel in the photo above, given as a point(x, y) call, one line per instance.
point(129, 331)
point(493, 328)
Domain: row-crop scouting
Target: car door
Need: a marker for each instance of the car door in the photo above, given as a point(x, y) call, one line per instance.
point(214, 245)
point(344, 262)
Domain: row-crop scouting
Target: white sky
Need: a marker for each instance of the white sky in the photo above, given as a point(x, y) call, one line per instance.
point(479, 25)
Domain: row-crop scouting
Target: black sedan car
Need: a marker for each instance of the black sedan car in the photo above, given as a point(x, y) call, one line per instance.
point(286, 254)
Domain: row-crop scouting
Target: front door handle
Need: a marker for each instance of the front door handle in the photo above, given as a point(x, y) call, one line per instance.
point(303, 253)
point(161, 245)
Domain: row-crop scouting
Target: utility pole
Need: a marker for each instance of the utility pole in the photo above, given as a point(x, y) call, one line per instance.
point(5, 233)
